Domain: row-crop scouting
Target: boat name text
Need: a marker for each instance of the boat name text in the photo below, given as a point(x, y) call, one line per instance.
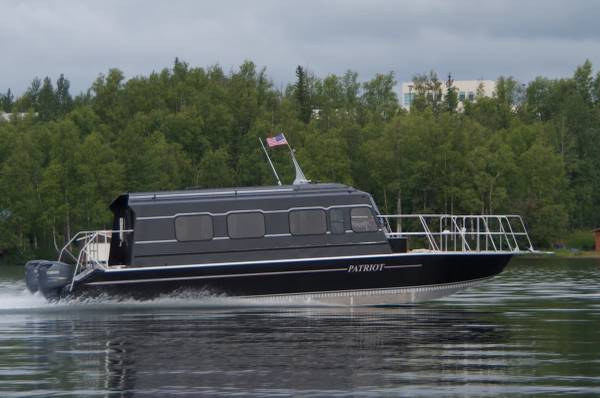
point(366, 267)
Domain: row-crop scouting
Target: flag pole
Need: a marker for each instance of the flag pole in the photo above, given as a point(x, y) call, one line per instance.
point(270, 163)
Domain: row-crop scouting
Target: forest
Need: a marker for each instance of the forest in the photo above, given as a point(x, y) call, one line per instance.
point(532, 149)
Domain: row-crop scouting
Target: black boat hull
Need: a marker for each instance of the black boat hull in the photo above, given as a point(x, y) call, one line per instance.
point(352, 280)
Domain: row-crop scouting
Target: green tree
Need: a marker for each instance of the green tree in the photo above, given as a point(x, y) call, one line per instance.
point(64, 101)
point(20, 200)
point(29, 100)
point(47, 104)
point(7, 101)
point(214, 170)
point(302, 95)
point(107, 93)
point(379, 97)
point(101, 178)
point(583, 79)
point(451, 98)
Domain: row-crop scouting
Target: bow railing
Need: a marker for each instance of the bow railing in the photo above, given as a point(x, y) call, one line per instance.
point(459, 233)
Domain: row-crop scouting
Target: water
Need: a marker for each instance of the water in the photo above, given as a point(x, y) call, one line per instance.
point(535, 329)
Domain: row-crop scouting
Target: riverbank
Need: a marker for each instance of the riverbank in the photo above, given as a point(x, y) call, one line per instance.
point(570, 254)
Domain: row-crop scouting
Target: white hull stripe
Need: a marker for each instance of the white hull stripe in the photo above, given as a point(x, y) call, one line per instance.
point(185, 278)
point(373, 257)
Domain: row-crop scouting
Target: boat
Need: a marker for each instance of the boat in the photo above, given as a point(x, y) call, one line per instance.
point(311, 243)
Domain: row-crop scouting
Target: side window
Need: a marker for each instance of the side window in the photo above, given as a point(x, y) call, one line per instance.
point(336, 220)
point(189, 228)
point(308, 222)
point(363, 220)
point(246, 225)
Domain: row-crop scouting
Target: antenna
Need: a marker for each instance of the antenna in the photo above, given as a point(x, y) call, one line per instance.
point(271, 163)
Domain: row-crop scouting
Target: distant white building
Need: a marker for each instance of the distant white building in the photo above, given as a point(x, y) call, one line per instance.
point(467, 90)
point(21, 115)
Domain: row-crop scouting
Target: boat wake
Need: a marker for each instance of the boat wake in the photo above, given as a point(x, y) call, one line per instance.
point(15, 298)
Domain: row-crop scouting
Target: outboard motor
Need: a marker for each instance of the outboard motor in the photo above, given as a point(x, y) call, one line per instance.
point(48, 277)
point(31, 273)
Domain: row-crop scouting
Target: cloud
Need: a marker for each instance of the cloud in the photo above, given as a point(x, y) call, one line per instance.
point(471, 39)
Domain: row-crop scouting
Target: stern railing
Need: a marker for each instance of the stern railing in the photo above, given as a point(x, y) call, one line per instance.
point(459, 233)
point(95, 249)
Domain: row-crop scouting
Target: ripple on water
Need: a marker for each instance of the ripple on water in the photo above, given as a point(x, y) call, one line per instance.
point(531, 331)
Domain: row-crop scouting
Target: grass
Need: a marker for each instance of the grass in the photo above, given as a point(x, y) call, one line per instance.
point(580, 240)
point(575, 253)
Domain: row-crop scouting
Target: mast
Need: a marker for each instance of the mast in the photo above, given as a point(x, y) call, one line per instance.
point(270, 162)
point(300, 177)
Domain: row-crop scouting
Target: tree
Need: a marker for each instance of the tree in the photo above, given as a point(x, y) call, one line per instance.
point(428, 92)
point(584, 81)
point(302, 95)
point(325, 157)
point(7, 101)
point(101, 178)
point(59, 187)
point(107, 92)
point(47, 104)
point(532, 152)
point(351, 90)
point(379, 97)
point(64, 101)
point(29, 100)
point(214, 170)
point(20, 200)
point(451, 99)
point(596, 89)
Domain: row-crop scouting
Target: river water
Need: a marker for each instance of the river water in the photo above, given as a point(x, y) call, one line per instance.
point(533, 330)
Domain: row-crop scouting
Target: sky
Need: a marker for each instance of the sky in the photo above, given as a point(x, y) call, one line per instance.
point(472, 39)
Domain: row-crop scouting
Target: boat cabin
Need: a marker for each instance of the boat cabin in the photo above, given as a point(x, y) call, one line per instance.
point(244, 224)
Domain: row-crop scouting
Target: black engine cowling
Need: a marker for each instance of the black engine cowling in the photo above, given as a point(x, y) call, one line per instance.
point(48, 277)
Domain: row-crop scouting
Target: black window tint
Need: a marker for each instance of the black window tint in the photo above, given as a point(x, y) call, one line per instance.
point(363, 220)
point(198, 227)
point(336, 219)
point(308, 222)
point(246, 225)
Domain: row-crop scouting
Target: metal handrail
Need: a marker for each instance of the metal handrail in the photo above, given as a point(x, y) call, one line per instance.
point(84, 258)
point(497, 230)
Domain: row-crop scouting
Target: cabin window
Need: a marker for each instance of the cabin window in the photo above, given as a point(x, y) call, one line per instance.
point(189, 228)
point(363, 220)
point(308, 222)
point(246, 225)
point(336, 221)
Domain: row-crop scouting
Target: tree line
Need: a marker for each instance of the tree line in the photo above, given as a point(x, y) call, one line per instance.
point(530, 149)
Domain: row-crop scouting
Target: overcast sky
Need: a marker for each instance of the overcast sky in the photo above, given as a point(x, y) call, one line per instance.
point(472, 39)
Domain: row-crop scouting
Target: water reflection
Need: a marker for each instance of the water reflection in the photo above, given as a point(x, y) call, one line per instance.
point(260, 351)
point(533, 330)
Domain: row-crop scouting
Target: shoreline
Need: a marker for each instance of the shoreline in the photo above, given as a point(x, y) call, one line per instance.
point(567, 254)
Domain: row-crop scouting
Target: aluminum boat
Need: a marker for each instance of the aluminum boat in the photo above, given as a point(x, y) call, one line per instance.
point(300, 243)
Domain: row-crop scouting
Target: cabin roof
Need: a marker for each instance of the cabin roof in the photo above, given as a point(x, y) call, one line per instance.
point(165, 196)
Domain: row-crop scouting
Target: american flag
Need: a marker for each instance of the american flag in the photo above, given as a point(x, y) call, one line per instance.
point(279, 139)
